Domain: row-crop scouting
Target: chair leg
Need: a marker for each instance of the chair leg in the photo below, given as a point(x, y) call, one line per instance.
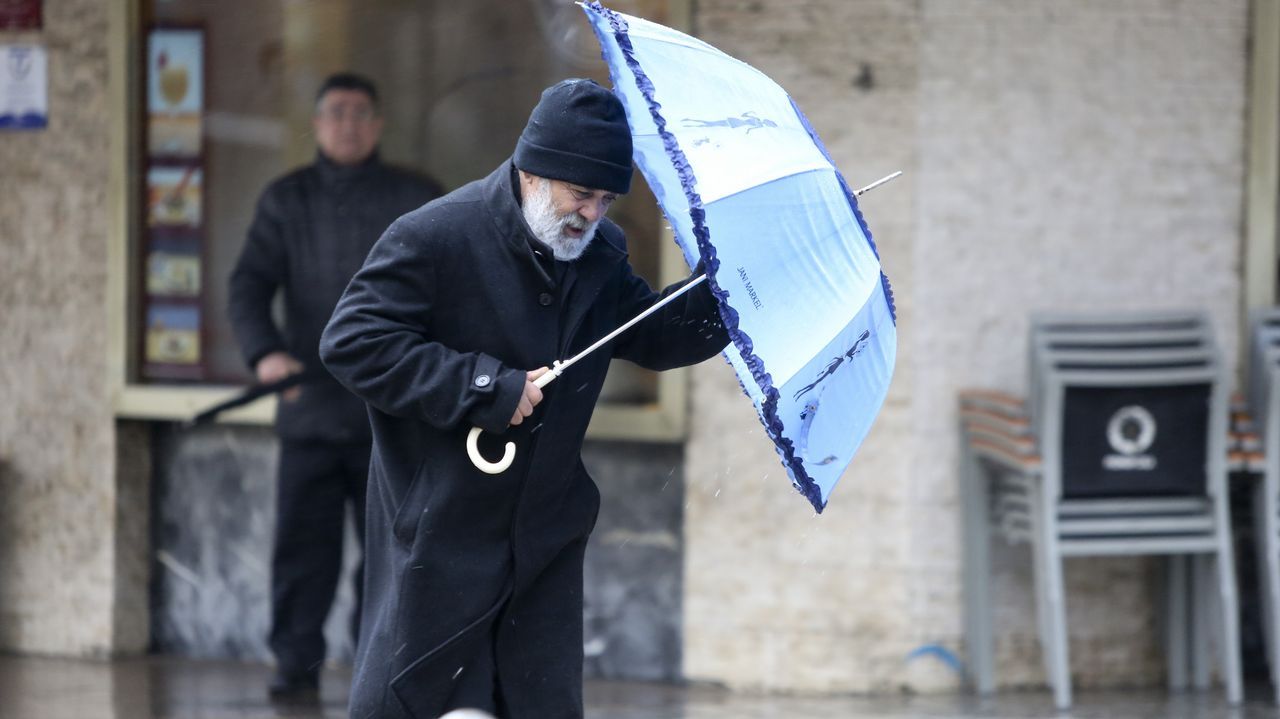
point(1228, 606)
point(1176, 621)
point(977, 529)
point(1268, 558)
point(1272, 608)
point(1052, 620)
point(1201, 611)
point(1229, 623)
point(1272, 578)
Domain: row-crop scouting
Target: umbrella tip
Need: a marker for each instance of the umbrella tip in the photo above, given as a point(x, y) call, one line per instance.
point(879, 182)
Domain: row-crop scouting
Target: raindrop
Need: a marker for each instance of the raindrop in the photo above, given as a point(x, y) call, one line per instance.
point(455, 674)
point(401, 649)
point(717, 493)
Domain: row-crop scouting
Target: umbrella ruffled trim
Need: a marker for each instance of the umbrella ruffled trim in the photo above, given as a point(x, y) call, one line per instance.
point(746, 347)
point(853, 205)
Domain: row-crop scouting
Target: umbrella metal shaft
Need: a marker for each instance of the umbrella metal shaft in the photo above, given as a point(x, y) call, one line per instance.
point(558, 366)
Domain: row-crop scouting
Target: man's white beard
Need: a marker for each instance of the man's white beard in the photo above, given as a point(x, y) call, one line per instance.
point(548, 227)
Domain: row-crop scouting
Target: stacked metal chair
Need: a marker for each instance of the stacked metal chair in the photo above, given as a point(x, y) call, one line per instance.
point(1119, 449)
point(1264, 406)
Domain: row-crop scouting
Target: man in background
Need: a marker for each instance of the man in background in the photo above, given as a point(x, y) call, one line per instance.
point(311, 232)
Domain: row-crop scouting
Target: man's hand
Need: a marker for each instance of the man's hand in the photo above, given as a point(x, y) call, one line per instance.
point(531, 397)
point(275, 367)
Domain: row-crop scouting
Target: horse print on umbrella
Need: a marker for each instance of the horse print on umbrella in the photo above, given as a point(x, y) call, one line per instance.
point(834, 364)
point(748, 119)
point(811, 407)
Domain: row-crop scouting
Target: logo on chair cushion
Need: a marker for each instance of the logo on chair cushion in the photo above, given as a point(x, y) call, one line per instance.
point(1131, 431)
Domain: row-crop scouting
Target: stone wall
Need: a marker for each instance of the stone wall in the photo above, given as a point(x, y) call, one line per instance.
point(633, 598)
point(212, 529)
point(1093, 160)
point(214, 519)
point(58, 520)
point(1059, 156)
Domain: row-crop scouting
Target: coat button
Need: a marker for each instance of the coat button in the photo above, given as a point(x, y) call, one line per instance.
point(483, 380)
point(545, 299)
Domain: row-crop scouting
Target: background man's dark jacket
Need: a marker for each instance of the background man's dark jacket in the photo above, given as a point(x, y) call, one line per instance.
point(466, 571)
point(312, 230)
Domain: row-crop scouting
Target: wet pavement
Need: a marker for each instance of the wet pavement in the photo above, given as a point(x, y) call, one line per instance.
point(161, 688)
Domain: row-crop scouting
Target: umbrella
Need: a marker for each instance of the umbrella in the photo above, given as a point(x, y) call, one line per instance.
point(750, 190)
point(251, 394)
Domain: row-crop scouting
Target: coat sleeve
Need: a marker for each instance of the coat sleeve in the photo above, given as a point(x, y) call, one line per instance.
point(379, 345)
point(685, 332)
point(258, 273)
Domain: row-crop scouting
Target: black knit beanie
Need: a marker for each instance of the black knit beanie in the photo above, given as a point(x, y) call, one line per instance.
point(578, 133)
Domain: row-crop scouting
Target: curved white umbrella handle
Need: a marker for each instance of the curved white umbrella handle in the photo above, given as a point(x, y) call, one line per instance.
point(508, 452)
point(484, 465)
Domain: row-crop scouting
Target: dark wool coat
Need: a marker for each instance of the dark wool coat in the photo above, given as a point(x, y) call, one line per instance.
point(310, 233)
point(469, 576)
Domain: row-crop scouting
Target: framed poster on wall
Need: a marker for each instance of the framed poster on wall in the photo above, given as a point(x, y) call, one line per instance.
point(173, 337)
point(175, 93)
point(174, 197)
point(173, 271)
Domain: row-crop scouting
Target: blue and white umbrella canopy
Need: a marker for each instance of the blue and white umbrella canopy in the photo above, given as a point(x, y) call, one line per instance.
point(750, 190)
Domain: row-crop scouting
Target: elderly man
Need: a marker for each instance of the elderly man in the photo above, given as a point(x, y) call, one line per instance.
point(474, 581)
point(311, 232)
